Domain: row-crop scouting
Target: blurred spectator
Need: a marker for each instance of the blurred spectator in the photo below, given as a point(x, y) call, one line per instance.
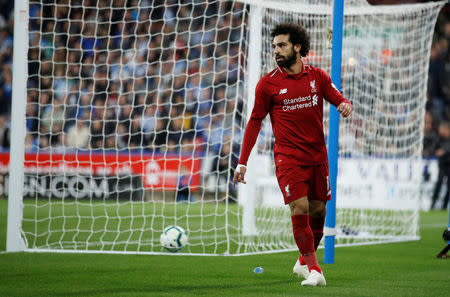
point(164, 80)
point(32, 121)
point(53, 115)
point(159, 138)
point(6, 78)
point(57, 137)
point(4, 103)
point(125, 117)
point(31, 144)
point(223, 166)
point(149, 120)
point(4, 133)
point(183, 193)
point(110, 143)
point(136, 139)
point(78, 135)
point(437, 100)
point(443, 152)
point(430, 136)
point(97, 136)
point(179, 132)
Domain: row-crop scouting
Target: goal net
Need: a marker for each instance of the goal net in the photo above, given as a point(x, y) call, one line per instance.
point(384, 74)
point(135, 112)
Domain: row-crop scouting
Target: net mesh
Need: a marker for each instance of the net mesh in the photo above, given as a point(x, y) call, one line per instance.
point(133, 108)
point(384, 73)
point(135, 113)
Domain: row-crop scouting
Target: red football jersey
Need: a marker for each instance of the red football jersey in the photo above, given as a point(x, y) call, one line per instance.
point(295, 105)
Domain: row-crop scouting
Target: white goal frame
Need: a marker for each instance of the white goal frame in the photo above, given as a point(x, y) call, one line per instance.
point(14, 240)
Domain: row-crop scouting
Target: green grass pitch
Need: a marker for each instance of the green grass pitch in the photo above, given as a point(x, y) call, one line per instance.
point(400, 269)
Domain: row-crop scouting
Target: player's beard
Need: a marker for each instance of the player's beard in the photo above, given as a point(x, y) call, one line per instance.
point(288, 61)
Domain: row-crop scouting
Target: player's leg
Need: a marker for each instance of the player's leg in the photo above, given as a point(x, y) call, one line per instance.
point(306, 242)
point(303, 237)
point(447, 193)
point(294, 186)
point(317, 211)
point(437, 188)
point(319, 194)
point(299, 215)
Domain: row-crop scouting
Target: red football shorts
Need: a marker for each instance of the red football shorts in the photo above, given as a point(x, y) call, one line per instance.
point(298, 181)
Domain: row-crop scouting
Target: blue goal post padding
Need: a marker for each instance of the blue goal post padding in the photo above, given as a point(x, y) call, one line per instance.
point(336, 61)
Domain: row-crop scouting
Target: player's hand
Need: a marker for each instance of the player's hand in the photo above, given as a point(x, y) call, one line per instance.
point(239, 174)
point(345, 109)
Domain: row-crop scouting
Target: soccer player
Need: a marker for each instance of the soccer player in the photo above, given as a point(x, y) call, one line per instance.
point(293, 95)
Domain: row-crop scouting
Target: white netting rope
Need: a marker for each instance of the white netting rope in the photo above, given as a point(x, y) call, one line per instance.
point(133, 105)
point(385, 64)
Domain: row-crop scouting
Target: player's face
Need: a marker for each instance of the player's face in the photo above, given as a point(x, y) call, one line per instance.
point(284, 51)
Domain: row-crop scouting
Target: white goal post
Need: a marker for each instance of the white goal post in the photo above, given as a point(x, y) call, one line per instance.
point(130, 116)
point(14, 240)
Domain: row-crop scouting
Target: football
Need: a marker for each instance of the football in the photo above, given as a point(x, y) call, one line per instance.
point(173, 239)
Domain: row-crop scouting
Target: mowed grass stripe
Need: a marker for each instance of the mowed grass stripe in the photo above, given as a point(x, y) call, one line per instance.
point(400, 269)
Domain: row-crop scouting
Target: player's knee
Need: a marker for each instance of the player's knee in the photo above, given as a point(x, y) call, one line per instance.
point(299, 206)
point(299, 211)
point(317, 209)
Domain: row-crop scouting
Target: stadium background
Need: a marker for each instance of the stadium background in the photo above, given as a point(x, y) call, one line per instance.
point(151, 112)
point(401, 269)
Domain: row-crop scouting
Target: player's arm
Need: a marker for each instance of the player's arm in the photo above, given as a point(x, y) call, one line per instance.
point(332, 95)
point(259, 112)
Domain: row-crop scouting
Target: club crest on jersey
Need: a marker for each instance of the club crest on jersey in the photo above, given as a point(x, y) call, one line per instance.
point(313, 86)
point(283, 91)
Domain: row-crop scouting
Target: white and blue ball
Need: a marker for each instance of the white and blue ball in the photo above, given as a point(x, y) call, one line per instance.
point(173, 238)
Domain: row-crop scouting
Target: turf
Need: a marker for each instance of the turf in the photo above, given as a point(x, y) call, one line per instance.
point(400, 269)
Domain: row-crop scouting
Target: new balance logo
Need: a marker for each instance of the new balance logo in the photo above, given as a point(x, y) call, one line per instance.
point(286, 189)
point(283, 91)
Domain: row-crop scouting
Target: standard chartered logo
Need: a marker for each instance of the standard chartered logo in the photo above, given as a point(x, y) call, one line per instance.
point(300, 102)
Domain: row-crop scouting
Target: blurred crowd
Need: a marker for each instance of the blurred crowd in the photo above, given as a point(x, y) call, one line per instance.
point(99, 80)
point(438, 101)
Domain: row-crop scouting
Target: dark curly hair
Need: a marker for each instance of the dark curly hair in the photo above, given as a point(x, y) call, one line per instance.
point(297, 35)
